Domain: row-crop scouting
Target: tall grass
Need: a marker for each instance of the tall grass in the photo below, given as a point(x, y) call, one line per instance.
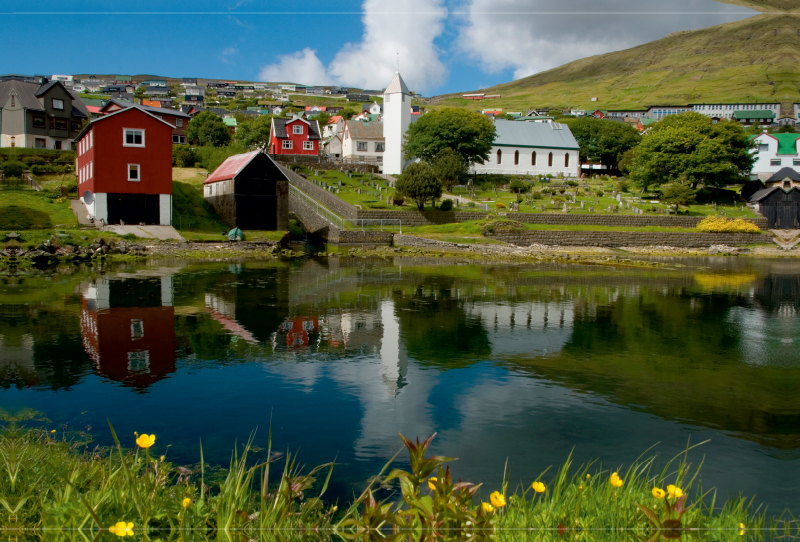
point(54, 481)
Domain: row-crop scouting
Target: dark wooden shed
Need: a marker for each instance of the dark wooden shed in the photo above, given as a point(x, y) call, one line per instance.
point(249, 192)
point(780, 207)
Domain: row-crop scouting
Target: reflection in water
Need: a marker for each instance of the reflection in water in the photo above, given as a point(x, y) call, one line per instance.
point(501, 361)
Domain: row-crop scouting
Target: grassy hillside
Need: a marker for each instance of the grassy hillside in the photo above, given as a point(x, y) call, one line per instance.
point(753, 60)
point(766, 5)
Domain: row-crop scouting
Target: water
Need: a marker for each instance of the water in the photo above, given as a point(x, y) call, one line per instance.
point(517, 363)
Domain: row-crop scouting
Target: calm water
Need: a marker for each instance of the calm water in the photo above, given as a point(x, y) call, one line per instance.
point(524, 363)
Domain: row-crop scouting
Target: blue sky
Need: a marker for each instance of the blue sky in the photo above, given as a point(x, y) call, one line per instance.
point(444, 45)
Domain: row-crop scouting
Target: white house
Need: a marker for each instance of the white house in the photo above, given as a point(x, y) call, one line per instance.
point(396, 119)
point(332, 146)
point(334, 126)
point(361, 139)
point(726, 111)
point(532, 148)
point(775, 152)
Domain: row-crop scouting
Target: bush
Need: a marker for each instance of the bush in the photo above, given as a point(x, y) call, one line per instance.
point(471, 204)
point(183, 156)
point(500, 205)
point(720, 224)
point(678, 194)
point(398, 200)
point(622, 186)
point(537, 194)
point(599, 193)
point(13, 169)
point(572, 183)
point(446, 205)
point(562, 190)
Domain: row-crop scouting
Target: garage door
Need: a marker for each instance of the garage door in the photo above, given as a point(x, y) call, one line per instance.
point(133, 209)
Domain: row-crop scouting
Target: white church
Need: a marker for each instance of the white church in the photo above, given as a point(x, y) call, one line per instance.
point(396, 119)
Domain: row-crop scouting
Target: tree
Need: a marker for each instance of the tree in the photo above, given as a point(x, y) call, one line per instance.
point(207, 129)
point(678, 194)
point(690, 149)
point(467, 132)
point(419, 183)
point(786, 129)
point(348, 113)
point(519, 186)
point(323, 119)
point(504, 116)
point(603, 141)
point(254, 134)
point(450, 168)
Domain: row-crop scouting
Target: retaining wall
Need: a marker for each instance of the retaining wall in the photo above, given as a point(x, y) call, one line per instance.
point(417, 218)
point(616, 220)
point(626, 238)
point(332, 202)
point(319, 162)
point(331, 234)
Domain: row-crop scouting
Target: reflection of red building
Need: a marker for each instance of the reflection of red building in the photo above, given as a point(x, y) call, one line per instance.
point(133, 345)
point(297, 330)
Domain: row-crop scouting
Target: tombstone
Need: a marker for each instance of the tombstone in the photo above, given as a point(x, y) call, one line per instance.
point(641, 211)
point(583, 205)
point(669, 211)
point(619, 198)
point(591, 209)
point(565, 209)
point(552, 202)
point(615, 209)
point(358, 190)
point(341, 183)
point(370, 176)
point(614, 194)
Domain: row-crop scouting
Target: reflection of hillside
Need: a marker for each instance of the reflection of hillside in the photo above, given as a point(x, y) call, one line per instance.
point(644, 351)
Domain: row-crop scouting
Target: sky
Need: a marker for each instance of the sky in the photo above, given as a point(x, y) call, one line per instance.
point(441, 46)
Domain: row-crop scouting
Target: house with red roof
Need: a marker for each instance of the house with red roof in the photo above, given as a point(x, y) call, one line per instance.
point(250, 192)
point(296, 136)
point(334, 126)
point(124, 168)
point(178, 119)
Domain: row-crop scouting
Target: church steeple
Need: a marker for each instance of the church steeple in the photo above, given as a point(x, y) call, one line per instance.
point(396, 119)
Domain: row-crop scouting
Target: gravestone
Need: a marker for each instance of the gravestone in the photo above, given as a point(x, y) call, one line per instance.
point(615, 209)
point(591, 209)
point(543, 208)
point(583, 205)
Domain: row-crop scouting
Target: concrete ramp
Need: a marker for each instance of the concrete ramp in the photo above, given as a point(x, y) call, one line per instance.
point(162, 233)
point(81, 213)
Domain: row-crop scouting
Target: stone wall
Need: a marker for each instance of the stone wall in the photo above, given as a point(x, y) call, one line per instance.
point(319, 162)
point(616, 220)
point(366, 237)
point(331, 201)
point(625, 238)
point(417, 218)
point(317, 225)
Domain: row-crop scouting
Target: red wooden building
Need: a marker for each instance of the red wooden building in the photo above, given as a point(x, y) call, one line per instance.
point(178, 119)
point(294, 136)
point(124, 168)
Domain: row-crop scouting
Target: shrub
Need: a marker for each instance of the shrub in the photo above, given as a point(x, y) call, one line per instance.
point(599, 193)
point(622, 186)
point(13, 169)
point(398, 200)
point(678, 194)
point(446, 205)
point(471, 204)
point(537, 194)
point(500, 205)
point(720, 224)
point(562, 190)
point(572, 183)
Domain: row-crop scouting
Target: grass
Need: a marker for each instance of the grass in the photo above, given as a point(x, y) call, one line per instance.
point(25, 209)
point(53, 479)
point(250, 235)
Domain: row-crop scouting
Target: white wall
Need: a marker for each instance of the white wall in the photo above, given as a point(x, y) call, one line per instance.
point(99, 207)
point(165, 209)
point(349, 147)
point(763, 166)
point(396, 119)
point(507, 167)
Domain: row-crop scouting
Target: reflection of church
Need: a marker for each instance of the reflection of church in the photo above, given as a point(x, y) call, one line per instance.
point(128, 328)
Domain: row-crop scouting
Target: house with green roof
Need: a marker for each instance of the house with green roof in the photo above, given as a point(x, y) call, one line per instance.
point(760, 117)
point(775, 152)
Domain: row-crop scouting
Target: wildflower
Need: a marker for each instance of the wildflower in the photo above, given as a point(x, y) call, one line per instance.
point(741, 529)
point(497, 499)
point(538, 487)
point(145, 441)
point(588, 475)
point(431, 484)
point(658, 493)
point(122, 529)
point(186, 503)
point(52, 430)
point(615, 480)
point(163, 457)
point(674, 491)
point(487, 507)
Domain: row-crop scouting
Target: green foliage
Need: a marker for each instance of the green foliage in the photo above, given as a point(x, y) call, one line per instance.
point(450, 168)
point(13, 169)
point(469, 133)
point(446, 205)
point(419, 183)
point(678, 194)
point(786, 129)
point(690, 149)
point(207, 129)
point(191, 211)
point(519, 186)
point(183, 156)
point(348, 113)
point(323, 119)
point(254, 133)
point(504, 116)
point(211, 157)
point(602, 140)
point(626, 160)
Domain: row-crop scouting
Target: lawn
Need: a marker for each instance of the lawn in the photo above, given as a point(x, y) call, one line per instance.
point(250, 235)
point(25, 209)
point(190, 175)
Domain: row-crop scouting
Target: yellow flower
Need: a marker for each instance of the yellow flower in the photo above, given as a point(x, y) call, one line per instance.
point(122, 529)
point(615, 480)
point(497, 499)
point(186, 503)
point(431, 484)
point(145, 441)
point(658, 493)
point(538, 487)
point(52, 430)
point(741, 529)
point(163, 457)
point(588, 475)
point(487, 507)
point(674, 491)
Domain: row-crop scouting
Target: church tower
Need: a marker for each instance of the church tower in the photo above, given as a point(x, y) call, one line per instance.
point(396, 118)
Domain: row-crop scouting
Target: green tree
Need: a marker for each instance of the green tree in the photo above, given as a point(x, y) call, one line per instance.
point(348, 113)
point(419, 183)
point(786, 129)
point(504, 116)
point(690, 149)
point(603, 141)
point(323, 119)
point(207, 129)
point(469, 133)
point(519, 186)
point(254, 134)
point(678, 194)
point(450, 168)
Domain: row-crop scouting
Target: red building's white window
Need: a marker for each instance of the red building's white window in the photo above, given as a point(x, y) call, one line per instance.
point(287, 144)
point(308, 145)
point(134, 172)
point(132, 138)
point(297, 129)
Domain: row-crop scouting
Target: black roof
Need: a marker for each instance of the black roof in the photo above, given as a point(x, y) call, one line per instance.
point(152, 110)
point(783, 173)
point(761, 194)
point(280, 127)
point(47, 86)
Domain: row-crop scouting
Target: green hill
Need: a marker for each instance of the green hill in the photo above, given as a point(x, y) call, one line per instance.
point(753, 60)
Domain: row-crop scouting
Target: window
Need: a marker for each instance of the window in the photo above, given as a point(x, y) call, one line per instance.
point(380, 147)
point(516, 158)
point(775, 162)
point(178, 122)
point(297, 129)
point(61, 124)
point(179, 139)
point(58, 104)
point(132, 138)
point(550, 160)
point(287, 144)
point(361, 146)
point(74, 126)
point(41, 143)
point(58, 145)
point(796, 162)
point(308, 145)
point(787, 184)
point(91, 139)
point(499, 156)
point(566, 160)
point(134, 173)
point(533, 158)
point(38, 122)
point(763, 147)
point(91, 169)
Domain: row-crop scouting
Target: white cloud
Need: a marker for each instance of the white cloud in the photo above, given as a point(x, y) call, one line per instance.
point(405, 26)
point(502, 34)
point(300, 67)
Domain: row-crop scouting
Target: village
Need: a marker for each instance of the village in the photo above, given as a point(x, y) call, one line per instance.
point(333, 170)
